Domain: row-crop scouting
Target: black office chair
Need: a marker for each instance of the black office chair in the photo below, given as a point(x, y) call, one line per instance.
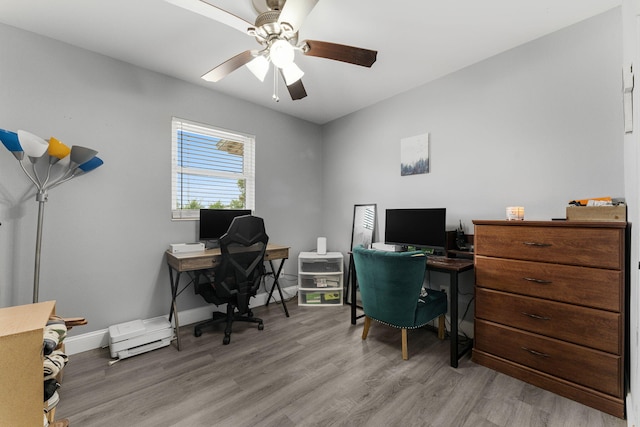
point(237, 279)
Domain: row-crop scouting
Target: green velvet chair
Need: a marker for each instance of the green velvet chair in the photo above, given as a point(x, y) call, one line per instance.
point(390, 285)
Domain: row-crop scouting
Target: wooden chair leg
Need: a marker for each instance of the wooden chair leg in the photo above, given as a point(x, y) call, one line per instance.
point(367, 324)
point(405, 351)
point(441, 327)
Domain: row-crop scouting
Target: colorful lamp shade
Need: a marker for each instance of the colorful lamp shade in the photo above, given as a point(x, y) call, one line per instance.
point(90, 165)
point(10, 141)
point(57, 150)
point(33, 145)
point(80, 155)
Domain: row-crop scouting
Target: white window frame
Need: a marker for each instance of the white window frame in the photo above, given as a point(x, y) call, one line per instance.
point(248, 174)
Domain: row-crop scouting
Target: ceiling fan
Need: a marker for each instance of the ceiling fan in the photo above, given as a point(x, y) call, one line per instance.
point(276, 30)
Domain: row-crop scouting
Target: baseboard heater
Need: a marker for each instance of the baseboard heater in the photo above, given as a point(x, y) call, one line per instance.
point(139, 336)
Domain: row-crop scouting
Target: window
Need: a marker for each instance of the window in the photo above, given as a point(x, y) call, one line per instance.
point(210, 168)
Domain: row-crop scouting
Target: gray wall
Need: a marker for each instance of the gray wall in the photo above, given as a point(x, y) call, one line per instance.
point(536, 126)
point(105, 233)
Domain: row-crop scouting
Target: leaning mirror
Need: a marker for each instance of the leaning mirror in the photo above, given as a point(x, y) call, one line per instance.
point(362, 233)
point(364, 225)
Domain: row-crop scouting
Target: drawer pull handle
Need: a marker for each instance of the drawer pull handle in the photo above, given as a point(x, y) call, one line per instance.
point(537, 244)
point(536, 316)
point(535, 353)
point(531, 279)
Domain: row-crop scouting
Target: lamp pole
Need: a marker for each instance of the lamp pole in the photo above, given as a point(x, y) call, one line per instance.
point(41, 198)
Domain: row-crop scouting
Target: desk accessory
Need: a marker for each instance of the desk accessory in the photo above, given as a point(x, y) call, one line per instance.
point(515, 213)
point(64, 163)
point(181, 248)
point(322, 246)
point(380, 246)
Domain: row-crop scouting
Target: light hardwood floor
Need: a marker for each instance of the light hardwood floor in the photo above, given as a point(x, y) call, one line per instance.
point(311, 369)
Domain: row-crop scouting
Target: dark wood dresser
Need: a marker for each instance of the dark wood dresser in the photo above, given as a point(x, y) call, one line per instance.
point(550, 306)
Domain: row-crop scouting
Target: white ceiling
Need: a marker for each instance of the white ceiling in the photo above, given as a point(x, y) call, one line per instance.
point(417, 41)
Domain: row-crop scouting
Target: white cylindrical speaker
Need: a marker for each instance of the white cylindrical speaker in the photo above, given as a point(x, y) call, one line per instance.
point(322, 246)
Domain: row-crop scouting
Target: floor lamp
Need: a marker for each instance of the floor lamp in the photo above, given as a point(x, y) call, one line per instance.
point(59, 165)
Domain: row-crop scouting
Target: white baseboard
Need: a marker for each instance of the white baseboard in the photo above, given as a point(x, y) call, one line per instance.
point(631, 413)
point(99, 339)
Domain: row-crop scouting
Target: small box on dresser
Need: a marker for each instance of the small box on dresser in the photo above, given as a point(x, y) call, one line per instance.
point(550, 306)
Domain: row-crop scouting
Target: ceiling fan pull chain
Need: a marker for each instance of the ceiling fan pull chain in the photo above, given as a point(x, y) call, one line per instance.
point(275, 96)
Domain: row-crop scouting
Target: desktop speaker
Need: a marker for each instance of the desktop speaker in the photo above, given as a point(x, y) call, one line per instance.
point(322, 246)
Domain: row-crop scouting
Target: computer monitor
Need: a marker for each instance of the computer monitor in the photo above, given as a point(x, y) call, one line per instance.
point(422, 228)
point(214, 223)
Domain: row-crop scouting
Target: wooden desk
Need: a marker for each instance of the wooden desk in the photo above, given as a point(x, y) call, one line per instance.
point(453, 267)
point(204, 260)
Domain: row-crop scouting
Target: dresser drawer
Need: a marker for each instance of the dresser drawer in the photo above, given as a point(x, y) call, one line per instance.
point(580, 325)
point(591, 368)
point(591, 287)
point(589, 246)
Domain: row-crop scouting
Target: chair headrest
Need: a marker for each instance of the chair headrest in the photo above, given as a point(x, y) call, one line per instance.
point(246, 230)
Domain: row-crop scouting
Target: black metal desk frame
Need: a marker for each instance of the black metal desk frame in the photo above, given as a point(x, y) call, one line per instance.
point(273, 253)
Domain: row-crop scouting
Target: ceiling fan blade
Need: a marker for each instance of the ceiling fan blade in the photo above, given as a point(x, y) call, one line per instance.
point(210, 11)
point(296, 89)
point(294, 12)
point(229, 66)
point(340, 52)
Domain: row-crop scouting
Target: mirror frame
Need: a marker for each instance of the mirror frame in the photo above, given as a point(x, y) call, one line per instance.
point(361, 234)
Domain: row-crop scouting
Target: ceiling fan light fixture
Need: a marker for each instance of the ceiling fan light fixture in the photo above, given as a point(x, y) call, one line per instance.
point(276, 30)
point(292, 73)
point(259, 66)
point(281, 53)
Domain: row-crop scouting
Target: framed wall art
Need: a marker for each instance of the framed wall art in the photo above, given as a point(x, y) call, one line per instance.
point(414, 155)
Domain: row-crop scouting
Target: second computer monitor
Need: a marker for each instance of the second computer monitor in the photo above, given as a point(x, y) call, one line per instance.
point(422, 228)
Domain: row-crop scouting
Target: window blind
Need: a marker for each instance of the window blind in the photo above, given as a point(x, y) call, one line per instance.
point(211, 168)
